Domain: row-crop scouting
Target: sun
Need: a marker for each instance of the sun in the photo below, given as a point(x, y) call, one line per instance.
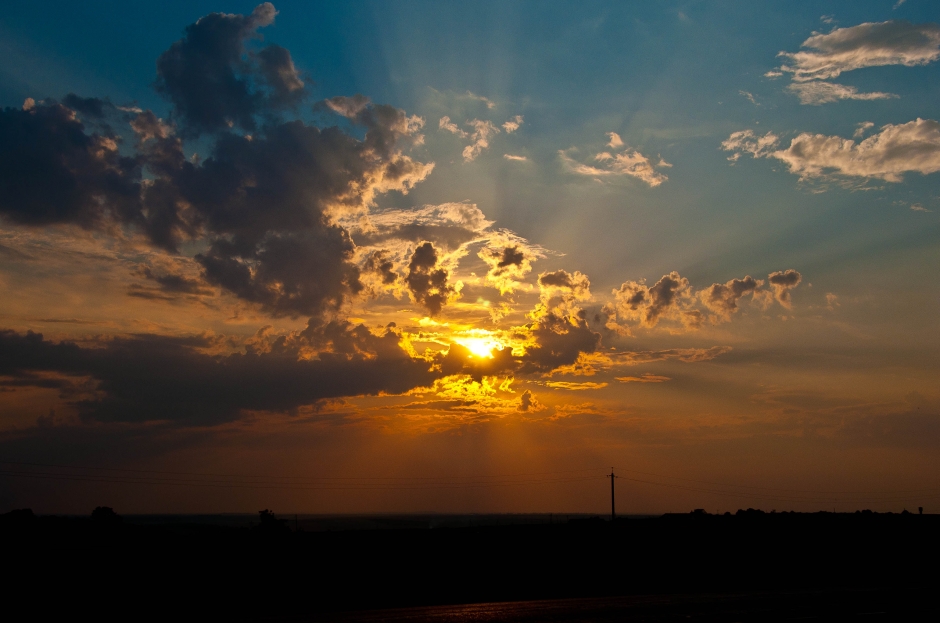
point(481, 347)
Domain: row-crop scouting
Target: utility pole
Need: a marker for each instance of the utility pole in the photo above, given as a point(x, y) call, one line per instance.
point(613, 514)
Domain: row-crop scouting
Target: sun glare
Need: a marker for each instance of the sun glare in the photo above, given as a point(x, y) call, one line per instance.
point(481, 347)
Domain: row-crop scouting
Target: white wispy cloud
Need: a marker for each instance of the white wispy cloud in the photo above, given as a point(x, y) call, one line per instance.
point(479, 137)
point(745, 141)
point(449, 126)
point(827, 55)
point(627, 162)
point(912, 147)
point(863, 127)
point(514, 157)
point(866, 45)
point(749, 96)
point(480, 133)
point(513, 124)
point(818, 92)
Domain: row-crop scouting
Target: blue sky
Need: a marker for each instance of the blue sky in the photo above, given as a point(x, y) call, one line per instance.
point(619, 143)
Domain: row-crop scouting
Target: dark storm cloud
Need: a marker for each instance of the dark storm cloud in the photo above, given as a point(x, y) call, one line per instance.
point(214, 82)
point(563, 280)
point(169, 286)
point(559, 340)
point(527, 401)
point(262, 204)
point(52, 171)
point(287, 274)
point(278, 72)
point(511, 256)
point(426, 281)
point(380, 264)
point(149, 377)
point(92, 107)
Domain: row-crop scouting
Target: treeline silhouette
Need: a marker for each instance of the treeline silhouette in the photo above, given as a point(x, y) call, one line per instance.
point(272, 570)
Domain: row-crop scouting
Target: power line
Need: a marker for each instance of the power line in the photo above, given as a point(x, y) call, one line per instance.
point(380, 483)
point(247, 476)
point(756, 496)
point(364, 486)
point(720, 484)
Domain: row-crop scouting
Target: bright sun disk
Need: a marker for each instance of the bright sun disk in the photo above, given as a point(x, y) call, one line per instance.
point(480, 346)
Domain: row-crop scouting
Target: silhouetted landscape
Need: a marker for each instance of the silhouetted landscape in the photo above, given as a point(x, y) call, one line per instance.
point(765, 566)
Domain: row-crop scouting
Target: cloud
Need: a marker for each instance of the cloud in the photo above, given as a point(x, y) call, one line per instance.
point(575, 386)
point(558, 341)
point(515, 158)
point(528, 403)
point(816, 93)
point(263, 208)
point(896, 149)
point(562, 282)
point(214, 82)
point(866, 45)
point(665, 299)
point(913, 146)
point(747, 142)
point(151, 377)
point(560, 332)
point(480, 135)
point(722, 299)
point(267, 205)
point(686, 355)
point(672, 298)
point(628, 162)
point(454, 229)
point(427, 282)
point(508, 265)
point(782, 282)
point(644, 378)
point(513, 124)
point(749, 96)
point(862, 127)
point(489, 103)
point(449, 126)
point(480, 138)
point(168, 283)
point(447, 225)
point(52, 170)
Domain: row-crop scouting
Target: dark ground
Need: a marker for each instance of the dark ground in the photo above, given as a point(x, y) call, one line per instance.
point(746, 567)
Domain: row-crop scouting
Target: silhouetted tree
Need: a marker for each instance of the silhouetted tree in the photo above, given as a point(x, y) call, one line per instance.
point(271, 524)
point(18, 518)
point(105, 515)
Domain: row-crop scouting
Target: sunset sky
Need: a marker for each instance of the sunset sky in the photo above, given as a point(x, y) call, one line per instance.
point(465, 257)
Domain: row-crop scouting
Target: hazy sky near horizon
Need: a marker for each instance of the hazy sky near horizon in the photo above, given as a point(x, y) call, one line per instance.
point(394, 241)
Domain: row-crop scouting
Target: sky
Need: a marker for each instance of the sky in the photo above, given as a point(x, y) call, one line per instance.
point(356, 257)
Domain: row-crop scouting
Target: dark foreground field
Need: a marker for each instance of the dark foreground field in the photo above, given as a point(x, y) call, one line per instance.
point(750, 566)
